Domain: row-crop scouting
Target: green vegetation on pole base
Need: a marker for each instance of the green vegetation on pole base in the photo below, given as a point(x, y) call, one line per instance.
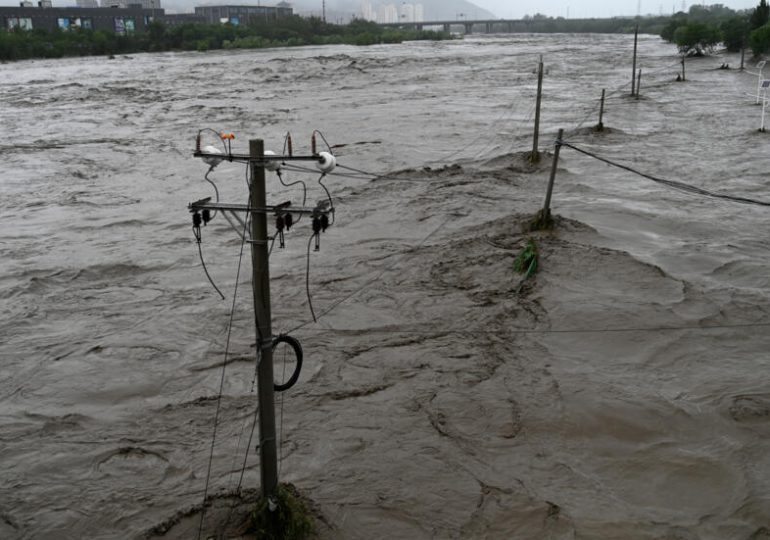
point(526, 261)
point(290, 520)
point(288, 32)
point(542, 221)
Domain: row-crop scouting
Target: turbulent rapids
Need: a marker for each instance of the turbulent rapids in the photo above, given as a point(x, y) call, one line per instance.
point(619, 392)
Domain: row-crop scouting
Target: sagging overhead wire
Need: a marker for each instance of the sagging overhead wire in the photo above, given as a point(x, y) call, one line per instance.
point(221, 385)
point(371, 281)
point(216, 193)
point(415, 329)
point(328, 195)
point(199, 219)
point(363, 175)
point(612, 94)
point(680, 186)
point(279, 173)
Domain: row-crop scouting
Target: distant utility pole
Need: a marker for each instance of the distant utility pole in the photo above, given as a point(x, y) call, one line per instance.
point(633, 68)
point(534, 157)
point(323, 10)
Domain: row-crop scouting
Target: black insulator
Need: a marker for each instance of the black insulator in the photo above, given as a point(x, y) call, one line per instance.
point(196, 220)
point(289, 219)
point(280, 223)
point(206, 216)
point(316, 225)
point(324, 222)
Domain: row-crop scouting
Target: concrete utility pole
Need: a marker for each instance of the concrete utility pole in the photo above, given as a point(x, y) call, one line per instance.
point(600, 125)
point(639, 84)
point(261, 287)
point(552, 179)
point(257, 161)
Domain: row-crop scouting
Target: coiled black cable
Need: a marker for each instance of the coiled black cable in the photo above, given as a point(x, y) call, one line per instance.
point(297, 348)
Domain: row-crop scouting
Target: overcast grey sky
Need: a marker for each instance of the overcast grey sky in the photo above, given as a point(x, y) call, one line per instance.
point(594, 8)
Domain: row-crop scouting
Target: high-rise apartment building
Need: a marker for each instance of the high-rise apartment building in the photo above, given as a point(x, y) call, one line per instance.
point(372, 10)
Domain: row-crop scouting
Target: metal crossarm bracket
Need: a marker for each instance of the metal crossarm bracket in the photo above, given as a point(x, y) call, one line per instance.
point(245, 158)
point(205, 204)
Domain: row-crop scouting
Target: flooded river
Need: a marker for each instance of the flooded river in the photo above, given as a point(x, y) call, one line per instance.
point(620, 393)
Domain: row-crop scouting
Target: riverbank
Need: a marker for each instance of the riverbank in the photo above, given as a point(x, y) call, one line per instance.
point(291, 32)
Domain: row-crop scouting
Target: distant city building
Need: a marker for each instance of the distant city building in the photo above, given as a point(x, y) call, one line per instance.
point(87, 4)
point(419, 13)
point(392, 13)
point(387, 14)
point(407, 12)
point(175, 19)
point(118, 20)
point(124, 4)
point(367, 11)
point(241, 14)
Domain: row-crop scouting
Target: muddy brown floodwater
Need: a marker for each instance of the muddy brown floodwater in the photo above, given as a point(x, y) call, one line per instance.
point(621, 393)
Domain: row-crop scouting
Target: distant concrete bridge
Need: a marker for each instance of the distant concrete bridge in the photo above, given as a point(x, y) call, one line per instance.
point(485, 26)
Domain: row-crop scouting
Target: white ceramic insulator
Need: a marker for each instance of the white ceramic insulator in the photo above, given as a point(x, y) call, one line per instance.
point(211, 161)
point(326, 163)
point(269, 164)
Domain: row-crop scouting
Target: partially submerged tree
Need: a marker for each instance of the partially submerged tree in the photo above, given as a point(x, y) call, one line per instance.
point(759, 40)
point(735, 33)
point(696, 38)
point(676, 21)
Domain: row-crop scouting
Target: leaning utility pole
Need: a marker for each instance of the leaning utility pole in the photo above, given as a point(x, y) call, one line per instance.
point(534, 157)
point(633, 69)
point(261, 289)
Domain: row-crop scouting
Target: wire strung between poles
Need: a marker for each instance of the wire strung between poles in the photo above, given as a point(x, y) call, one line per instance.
point(680, 186)
point(347, 297)
point(206, 271)
point(221, 386)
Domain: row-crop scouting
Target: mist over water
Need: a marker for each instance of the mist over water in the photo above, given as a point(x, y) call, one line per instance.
point(442, 399)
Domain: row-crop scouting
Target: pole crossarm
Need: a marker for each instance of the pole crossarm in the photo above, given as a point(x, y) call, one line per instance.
point(205, 204)
point(245, 158)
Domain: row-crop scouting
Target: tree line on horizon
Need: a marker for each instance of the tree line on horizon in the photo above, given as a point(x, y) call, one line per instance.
point(292, 31)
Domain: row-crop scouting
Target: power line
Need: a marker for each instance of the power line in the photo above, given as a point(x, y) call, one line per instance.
point(681, 186)
point(221, 385)
point(523, 331)
point(369, 283)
